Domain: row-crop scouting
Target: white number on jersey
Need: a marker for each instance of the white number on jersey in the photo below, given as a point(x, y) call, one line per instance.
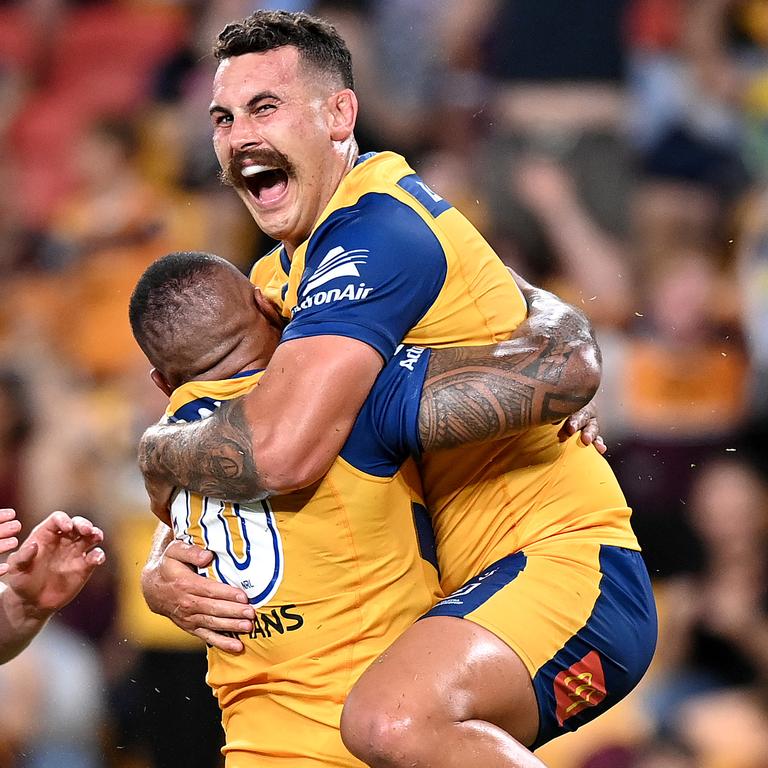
point(246, 545)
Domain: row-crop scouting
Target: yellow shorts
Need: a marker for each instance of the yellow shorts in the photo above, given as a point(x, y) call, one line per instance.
point(580, 615)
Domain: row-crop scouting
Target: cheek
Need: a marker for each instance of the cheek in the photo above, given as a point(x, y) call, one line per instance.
point(221, 149)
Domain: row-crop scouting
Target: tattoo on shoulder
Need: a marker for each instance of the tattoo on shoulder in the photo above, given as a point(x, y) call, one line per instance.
point(214, 457)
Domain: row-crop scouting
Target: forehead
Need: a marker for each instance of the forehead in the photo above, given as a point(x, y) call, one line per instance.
point(238, 78)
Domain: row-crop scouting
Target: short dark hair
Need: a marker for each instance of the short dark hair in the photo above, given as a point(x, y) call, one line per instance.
point(318, 41)
point(165, 295)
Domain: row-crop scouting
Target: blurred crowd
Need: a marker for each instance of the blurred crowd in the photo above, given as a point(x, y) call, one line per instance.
point(615, 151)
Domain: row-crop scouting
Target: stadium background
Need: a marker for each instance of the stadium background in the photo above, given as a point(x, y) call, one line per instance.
point(613, 150)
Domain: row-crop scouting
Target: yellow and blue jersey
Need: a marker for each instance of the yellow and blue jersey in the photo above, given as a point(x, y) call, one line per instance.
point(335, 572)
point(388, 262)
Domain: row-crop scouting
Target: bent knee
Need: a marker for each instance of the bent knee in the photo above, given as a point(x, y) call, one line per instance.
point(382, 734)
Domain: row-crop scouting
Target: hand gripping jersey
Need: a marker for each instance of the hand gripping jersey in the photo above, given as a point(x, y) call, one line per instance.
point(335, 572)
point(389, 262)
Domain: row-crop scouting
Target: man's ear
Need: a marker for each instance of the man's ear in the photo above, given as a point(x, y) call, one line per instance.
point(161, 382)
point(342, 107)
point(268, 309)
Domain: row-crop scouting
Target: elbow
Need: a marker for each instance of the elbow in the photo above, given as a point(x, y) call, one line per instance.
point(585, 371)
point(282, 470)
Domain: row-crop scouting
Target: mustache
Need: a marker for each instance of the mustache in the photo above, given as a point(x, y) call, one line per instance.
point(232, 174)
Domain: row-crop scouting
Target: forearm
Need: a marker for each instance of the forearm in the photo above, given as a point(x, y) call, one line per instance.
point(282, 435)
point(213, 457)
point(19, 623)
point(548, 370)
point(161, 538)
point(150, 574)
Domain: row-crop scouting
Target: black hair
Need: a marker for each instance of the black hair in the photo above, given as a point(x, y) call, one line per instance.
point(166, 293)
point(318, 42)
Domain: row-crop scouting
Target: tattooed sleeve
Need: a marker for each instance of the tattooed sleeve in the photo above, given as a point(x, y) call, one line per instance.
point(213, 457)
point(548, 370)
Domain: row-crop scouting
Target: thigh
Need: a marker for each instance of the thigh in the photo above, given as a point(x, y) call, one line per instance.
point(579, 615)
point(444, 669)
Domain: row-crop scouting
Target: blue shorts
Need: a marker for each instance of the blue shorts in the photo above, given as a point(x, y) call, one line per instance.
point(580, 615)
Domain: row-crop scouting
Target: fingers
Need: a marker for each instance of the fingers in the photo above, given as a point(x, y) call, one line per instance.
point(3, 568)
point(75, 528)
point(57, 522)
point(208, 619)
point(570, 427)
point(589, 432)
point(8, 540)
point(88, 538)
point(223, 642)
point(94, 558)
point(203, 616)
point(590, 436)
point(84, 527)
point(189, 554)
point(22, 559)
point(235, 600)
point(207, 601)
point(9, 529)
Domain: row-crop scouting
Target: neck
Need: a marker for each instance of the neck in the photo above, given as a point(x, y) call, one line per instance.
point(346, 154)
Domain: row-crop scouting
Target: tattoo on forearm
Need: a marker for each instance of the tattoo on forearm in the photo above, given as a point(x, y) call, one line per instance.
point(474, 394)
point(213, 457)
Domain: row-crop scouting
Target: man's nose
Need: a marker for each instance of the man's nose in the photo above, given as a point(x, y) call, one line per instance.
point(243, 134)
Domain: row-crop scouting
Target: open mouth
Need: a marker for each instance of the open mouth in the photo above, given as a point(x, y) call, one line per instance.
point(265, 183)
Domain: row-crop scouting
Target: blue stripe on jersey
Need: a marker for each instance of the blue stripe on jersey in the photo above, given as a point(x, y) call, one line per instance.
point(415, 187)
point(621, 630)
point(481, 588)
point(243, 374)
point(202, 407)
point(372, 271)
point(386, 431)
point(195, 410)
point(285, 262)
point(425, 535)
point(366, 156)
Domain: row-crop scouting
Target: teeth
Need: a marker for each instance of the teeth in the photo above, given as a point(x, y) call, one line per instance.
point(252, 170)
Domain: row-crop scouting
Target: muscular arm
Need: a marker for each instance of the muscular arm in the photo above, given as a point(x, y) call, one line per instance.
point(548, 370)
point(286, 433)
point(281, 436)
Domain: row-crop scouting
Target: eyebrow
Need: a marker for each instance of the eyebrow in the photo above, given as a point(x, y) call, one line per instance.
point(252, 102)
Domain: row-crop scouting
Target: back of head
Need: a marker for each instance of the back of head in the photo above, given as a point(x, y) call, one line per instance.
point(174, 311)
point(319, 44)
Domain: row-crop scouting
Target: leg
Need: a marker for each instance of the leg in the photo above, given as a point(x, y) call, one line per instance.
point(447, 693)
point(450, 692)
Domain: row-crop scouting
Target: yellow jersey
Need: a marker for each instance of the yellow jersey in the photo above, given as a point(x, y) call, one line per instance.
point(389, 261)
point(336, 572)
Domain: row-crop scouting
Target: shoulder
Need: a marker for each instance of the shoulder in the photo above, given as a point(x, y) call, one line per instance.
point(379, 228)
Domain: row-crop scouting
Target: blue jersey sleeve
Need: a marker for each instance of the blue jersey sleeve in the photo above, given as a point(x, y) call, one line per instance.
point(387, 428)
point(371, 273)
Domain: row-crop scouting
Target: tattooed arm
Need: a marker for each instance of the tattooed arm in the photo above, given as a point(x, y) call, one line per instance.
point(282, 435)
point(546, 371)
